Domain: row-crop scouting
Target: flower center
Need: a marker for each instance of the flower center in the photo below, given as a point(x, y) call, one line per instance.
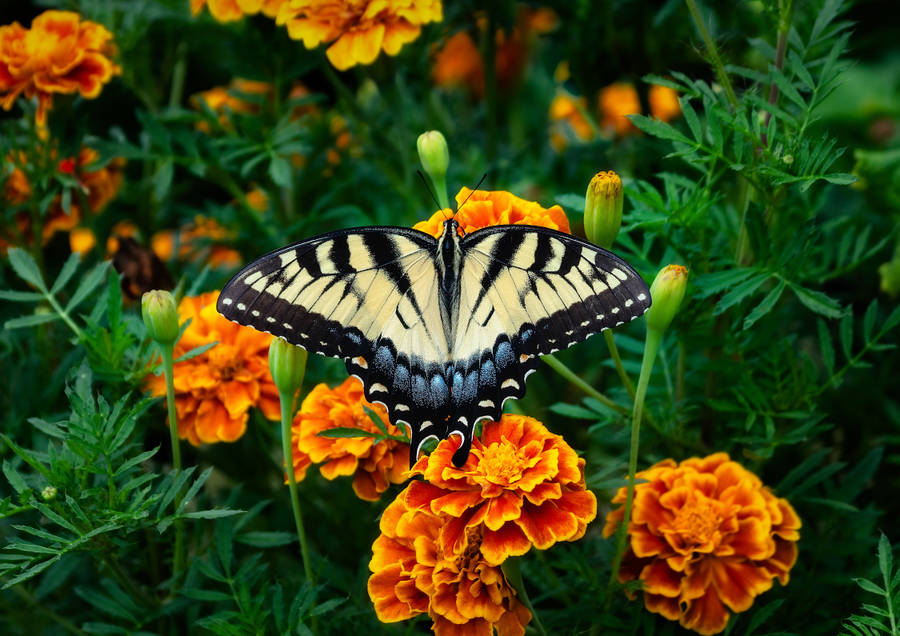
point(697, 521)
point(501, 462)
point(472, 554)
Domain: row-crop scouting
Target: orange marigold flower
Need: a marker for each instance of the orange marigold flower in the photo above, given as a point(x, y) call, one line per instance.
point(616, 101)
point(458, 63)
point(359, 29)
point(464, 594)
point(664, 103)
point(231, 10)
point(375, 465)
point(60, 53)
point(521, 486)
point(200, 240)
point(706, 536)
point(215, 390)
point(226, 100)
point(485, 208)
point(567, 121)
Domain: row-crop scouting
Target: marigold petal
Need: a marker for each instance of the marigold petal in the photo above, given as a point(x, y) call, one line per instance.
point(388, 607)
point(663, 605)
point(705, 615)
point(545, 525)
point(499, 510)
point(737, 583)
point(497, 545)
point(659, 578)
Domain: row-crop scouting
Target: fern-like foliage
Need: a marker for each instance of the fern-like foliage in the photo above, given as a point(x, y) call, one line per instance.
point(884, 617)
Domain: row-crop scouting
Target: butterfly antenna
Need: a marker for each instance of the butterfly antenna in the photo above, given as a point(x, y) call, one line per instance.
point(430, 191)
point(483, 177)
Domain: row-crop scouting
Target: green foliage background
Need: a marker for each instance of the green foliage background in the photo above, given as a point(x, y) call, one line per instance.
point(783, 353)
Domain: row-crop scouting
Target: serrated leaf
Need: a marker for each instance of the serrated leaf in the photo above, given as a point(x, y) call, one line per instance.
point(376, 420)
point(765, 306)
point(346, 432)
point(787, 89)
point(14, 478)
point(88, 284)
point(885, 558)
point(869, 586)
point(261, 539)
point(65, 274)
point(196, 351)
point(659, 129)
point(690, 116)
point(20, 296)
point(818, 302)
point(26, 268)
point(740, 292)
point(212, 514)
point(574, 411)
point(30, 320)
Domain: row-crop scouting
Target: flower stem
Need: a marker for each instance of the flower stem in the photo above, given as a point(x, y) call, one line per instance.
point(169, 371)
point(713, 53)
point(651, 347)
point(512, 570)
point(554, 363)
point(617, 360)
point(287, 404)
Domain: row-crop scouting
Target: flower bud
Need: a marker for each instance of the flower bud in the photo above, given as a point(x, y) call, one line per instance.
point(160, 316)
point(666, 292)
point(890, 274)
point(287, 364)
point(433, 154)
point(603, 208)
point(48, 493)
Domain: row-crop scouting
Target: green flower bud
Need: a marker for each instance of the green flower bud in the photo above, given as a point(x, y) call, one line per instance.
point(890, 274)
point(433, 154)
point(48, 493)
point(666, 292)
point(603, 208)
point(287, 363)
point(160, 316)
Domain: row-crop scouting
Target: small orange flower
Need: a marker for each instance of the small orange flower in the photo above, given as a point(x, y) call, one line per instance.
point(616, 101)
point(458, 63)
point(226, 100)
point(359, 29)
point(706, 536)
point(664, 103)
point(60, 53)
point(231, 10)
point(215, 390)
point(201, 240)
point(567, 121)
point(487, 208)
point(464, 594)
point(521, 486)
point(375, 465)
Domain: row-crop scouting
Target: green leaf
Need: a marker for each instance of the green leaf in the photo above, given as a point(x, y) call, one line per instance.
point(659, 129)
point(30, 320)
point(196, 351)
point(14, 478)
point(212, 514)
point(740, 292)
point(574, 411)
point(20, 296)
point(818, 302)
point(346, 432)
point(690, 116)
point(826, 347)
point(280, 171)
point(162, 180)
point(765, 306)
point(885, 558)
point(88, 284)
point(845, 331)
point(26, 268)
point(65, 274)
point(572, 201)
point(262, 539)
point(376, 420)
point(869, 321)
point(787, 89)
point(868, 585)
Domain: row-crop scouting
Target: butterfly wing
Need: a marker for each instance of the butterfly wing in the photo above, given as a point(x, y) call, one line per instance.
point(525, 292)
point(367, 295)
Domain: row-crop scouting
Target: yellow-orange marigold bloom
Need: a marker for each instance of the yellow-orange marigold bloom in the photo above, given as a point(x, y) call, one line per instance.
point(567, 121)
point(458, 63)
point(487, 208)
point(464, 594)
point(706, 537)
point(374, 466)
point(664, 103)
point(359, 29)
point(226, 100)
point(201, 239)
point(521, 486)
point(616, 101)
point(60, 53)
point(231, 10)
point(215, 390)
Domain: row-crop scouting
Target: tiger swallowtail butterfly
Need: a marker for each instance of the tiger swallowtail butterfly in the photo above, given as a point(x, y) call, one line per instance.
point(441, 331)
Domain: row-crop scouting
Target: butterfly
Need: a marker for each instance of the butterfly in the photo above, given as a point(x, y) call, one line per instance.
point(440, 331)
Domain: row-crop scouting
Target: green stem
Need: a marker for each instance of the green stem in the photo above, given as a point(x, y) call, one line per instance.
point(179, 73)
point(287, 403)
point(651, 347)
point(713, 52)
point(512, 570)
point(169, 371)
point(614, 352)
point(64, 315)
point(554, 363)
point(440, 190)
point(784, 28)
point(490, 82)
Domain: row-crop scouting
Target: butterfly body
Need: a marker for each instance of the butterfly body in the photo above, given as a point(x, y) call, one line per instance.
point(441, 331)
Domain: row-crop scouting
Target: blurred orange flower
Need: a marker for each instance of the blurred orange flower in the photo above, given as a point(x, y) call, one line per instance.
point(60, 53)
point(359, 29)
point(486, 208)
point(706, 536)
point(226, 100)
point(664, 103)
point(215, 390)
point(375, 465)
point(464, 594)
point(231, 10)
point(521, 486)
point(202, 240)
point(567, 121)
point(98, 187)
point(616, 101)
